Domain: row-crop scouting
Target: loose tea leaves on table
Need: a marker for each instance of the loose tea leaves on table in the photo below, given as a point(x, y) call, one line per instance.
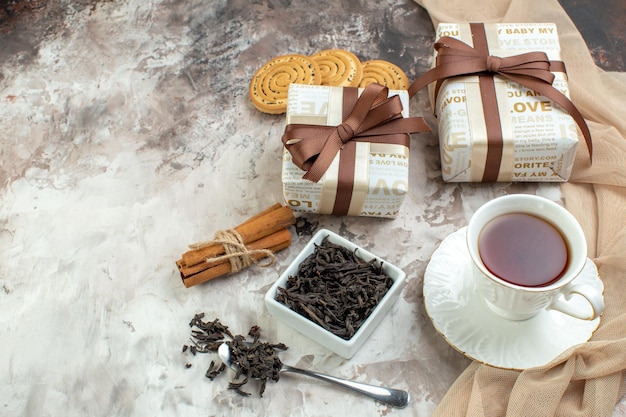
point(255, 359)
point(335, 288)
point(206, 336)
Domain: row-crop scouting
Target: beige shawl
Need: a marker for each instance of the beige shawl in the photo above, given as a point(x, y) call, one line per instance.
point(589, 379)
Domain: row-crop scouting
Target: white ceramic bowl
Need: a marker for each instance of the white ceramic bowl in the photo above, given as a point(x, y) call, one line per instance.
point(345, 348)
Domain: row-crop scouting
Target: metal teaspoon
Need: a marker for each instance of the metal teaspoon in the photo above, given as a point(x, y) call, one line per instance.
point(390, 396)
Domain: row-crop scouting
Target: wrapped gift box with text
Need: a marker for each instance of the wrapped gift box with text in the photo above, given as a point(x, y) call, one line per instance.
point(538, 138)
point(381, 170)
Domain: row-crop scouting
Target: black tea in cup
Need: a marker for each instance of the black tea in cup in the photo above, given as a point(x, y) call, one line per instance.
point(523, 249)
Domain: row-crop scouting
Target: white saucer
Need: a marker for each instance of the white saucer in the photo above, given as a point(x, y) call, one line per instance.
point(468, 325)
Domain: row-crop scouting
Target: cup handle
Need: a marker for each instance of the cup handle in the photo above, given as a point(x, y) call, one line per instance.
point(564, 304)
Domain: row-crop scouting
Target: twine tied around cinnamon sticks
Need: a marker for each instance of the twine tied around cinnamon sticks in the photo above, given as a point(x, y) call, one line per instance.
point(237, 253)
point(235, 249)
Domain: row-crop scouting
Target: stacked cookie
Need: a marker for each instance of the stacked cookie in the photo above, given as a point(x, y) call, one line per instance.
point(336, 67)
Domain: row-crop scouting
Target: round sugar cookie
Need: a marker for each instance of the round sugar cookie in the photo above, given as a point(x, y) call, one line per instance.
point(384, 73)
point(269, 85)
point(339, 67)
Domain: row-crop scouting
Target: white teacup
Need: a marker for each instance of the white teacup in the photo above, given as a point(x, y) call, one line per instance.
point(518, 302)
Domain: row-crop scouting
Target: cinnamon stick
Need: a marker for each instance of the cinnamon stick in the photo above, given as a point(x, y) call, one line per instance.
point(263, 224)
point(266, 230)
point(275, 239)
point(224, 268)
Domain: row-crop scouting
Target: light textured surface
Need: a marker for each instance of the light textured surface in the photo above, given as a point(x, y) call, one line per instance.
point(127, 134)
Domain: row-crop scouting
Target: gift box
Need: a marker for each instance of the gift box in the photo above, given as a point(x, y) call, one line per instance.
point(347, 150)
point(502, 102)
